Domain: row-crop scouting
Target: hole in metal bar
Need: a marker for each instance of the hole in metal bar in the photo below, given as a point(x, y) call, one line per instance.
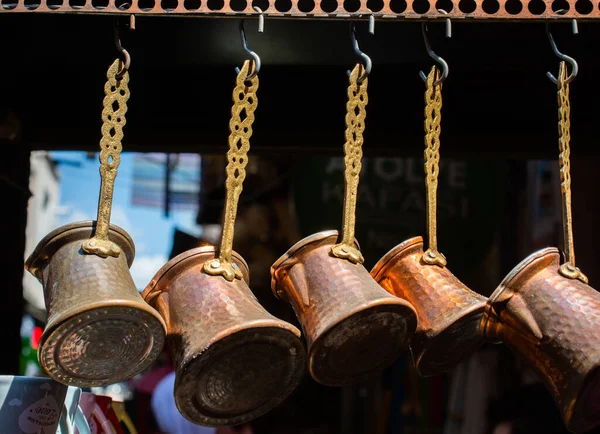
point(421, 6)
point(398, 6)
point(146, 5)
point(77, 4)
point(351, 5)
point(467, 6)
point(584, 7)
point(191, 5)
point(490, 6)
point(328, 6)
point(558, 5)
point(215, 5)
point(375, 5)
point(237, 5)
point(513, 7)
point(306, 6)
point(537, 7)
point(445, 5)
point(54, 4)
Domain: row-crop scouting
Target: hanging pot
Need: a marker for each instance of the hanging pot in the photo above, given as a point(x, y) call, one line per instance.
point(352, 326)
point(448, 312)
point(553, 322)
point(99, 330)
point(546, 311)
point(233, 360)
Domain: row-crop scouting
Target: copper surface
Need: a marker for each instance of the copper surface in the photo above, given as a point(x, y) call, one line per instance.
point(99, 331)
point(233, 360)
point(448, 312)
point(353, 326)
point(554, 323)
point(413, 10)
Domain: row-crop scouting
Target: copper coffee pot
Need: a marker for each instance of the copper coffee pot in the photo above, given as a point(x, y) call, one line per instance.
point(99, 329)
point(545, 311)
point(233, 360)
point(353, 327)
point(449, 313)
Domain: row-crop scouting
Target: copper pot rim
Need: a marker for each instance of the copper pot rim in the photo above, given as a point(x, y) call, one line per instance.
point(404, 248)
point(189, 258)
point(510, 282)
point(303, 243)
point(71, 232)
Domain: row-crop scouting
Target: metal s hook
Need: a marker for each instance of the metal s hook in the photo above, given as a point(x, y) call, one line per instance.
point(126, 58)
point(432, 54)
point(252, 54)
point(367, 63)
point(562, 56)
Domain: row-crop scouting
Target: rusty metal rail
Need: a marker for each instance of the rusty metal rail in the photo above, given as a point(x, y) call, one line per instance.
point(470, 10)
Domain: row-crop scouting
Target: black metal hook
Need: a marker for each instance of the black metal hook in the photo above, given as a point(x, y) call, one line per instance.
point(562, 56)
point(432, 54)
point(126, 58)
point(252, 54)
point(367, 63)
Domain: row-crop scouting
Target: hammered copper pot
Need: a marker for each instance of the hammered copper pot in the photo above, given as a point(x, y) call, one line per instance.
point(448, 312)
point(99, 331)
point(233, 360)
point(554, 323)
point(353, 326)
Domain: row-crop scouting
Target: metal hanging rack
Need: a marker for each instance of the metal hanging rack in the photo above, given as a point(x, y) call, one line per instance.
point(384, 10)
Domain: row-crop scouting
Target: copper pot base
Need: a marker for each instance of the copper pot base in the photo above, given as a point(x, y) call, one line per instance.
point(241, 377)
point(101, 346)
point(367, 341)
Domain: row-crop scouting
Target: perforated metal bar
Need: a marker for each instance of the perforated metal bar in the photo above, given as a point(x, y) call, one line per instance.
point(322, 9)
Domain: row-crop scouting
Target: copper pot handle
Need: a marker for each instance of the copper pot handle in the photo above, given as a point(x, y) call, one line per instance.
point(116, 93)
point(433, 117)
point(355, 125)
point(568, 269)
point(240, 127)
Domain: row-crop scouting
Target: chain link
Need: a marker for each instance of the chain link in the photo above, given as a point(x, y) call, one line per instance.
point(568, 269)
point(240, 127)
point(116, 93)
point(355, 126)
point(433, 117)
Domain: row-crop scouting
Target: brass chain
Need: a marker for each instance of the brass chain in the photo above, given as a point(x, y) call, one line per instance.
point(568, 269)
point(433, 117)
point(116, 93)
point(355, 126)
point(240, 127)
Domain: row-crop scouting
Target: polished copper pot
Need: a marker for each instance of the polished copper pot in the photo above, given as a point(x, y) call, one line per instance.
point(233, 360)
point(99, 331)
point(448, 312)
point(553, 322)
point(353, 326)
